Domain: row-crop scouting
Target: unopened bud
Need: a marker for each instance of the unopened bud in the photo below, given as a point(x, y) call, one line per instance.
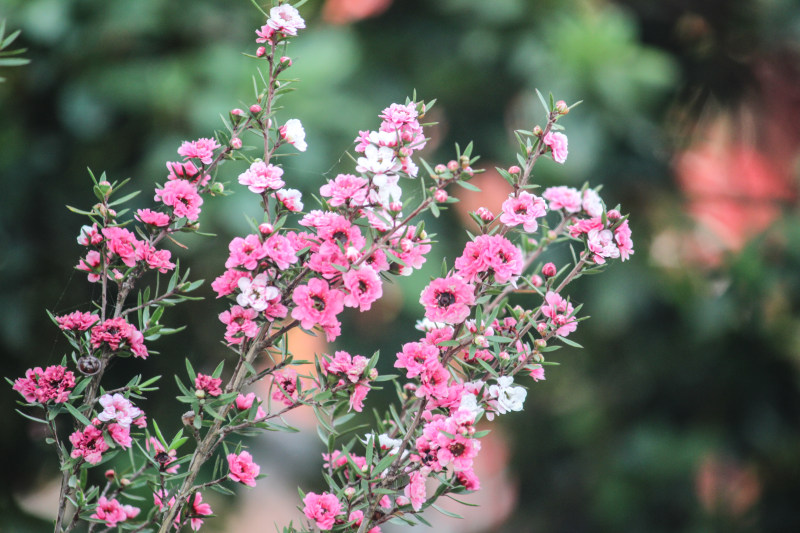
point(255, 108)
point(124, 482)
point(200, 394)
point(464, 161)
point(549, 270)
point(536, 280)
point(217, 188)
point(452, 166)
point(440, 169)
point(537, 356)
point(613, 214)
point(236, 143)
point(440, 195)
point(562, 108)
point(485, 214)
point(261, 51)
point(540, 343)
point(373, 374)
point(396, 207)
point(537, 130)
point(286, 61)
point(265, 228)
point(480, 340)
point(110, 474)
point(236, 112)
point(514, 169)
point(349, 492)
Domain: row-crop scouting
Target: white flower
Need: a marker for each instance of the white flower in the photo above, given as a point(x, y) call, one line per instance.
point(592, 203)
point(508, 398)
point(290, 198)
point(469, 404)
point(378, 160)
point(256, 293)
point(293, 133)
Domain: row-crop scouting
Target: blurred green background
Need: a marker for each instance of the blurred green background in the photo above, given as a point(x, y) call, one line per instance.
point(683, 412)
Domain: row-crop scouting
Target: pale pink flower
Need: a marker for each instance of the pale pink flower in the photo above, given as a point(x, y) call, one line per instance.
point(537, 373)
point(121, 434)
point(228, 282)
point(562, 197)
point(119, 409)
point(322, 508)
point(623, 237)
point(601, 244)
point(256, 292)
point(345, 189)
point(183, 197)
point(202, 149)
point(198, 508)
point(113, 512)
point(592, 203)
point(90, 235)
point(291, 199)
point(415, 490)
point(91, 264)
point(448, 300)
point(261, 176)
point(240, 324)
point(154, 218)
point(523, 209)
point(415, 356)
point(285, 19)
point(558, 145)
point(243, 469)
point(560, 312)
point(293, 133)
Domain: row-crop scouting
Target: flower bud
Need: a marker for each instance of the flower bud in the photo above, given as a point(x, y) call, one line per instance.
point(540, 343)
point(485, 214)
point(562, 108)
point(200, 394)
point(217, 188)
point(541, 327)
point(236, 112)
point(124, 482)
point(440, 195)
point(236, 143)
point(514, 169)
point(255, 108)
point(265, 228)
point(396, 207)
point(452, 166)
point(464, 162)
point(373, 374)
point(537, 130)
point(536, 280)
point(549, 270)
point(349, 492)
point(286, 61)
point(537, 356)
point(440, 169)
point(261, 51)
point(110, 474)
point(353, 254)
point(613, 214)
point(480, 340)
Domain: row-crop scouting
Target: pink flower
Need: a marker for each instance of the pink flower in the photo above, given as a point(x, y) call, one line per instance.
point(415, 490)
point(117, 333)
point(363, 287)
point(187, 171)
point(40, 386)
point(317, 303)
point(537, 373)
point(155, 259)
point(228, 282)
point(592, 203)
point(560, 312)
point(90, 235)
point(468, 479)
point(88, 444)
point(523, 209)
point(154, 218)
point(492, 254)
point(357, 396)
point(91, 264)
point(76, 321)
point(280, 250)
point(244, 402)
point(601, 244)
point(208, 384)
point(202, 149)
point(183, 197)
point(240, 324)
point(322, 508)
point(290, 198)
point(415, 357)
point(292, 132)
point(623, 237)
point(285, 19)
point(197, 509)
point(113, 512)
point(261, 176)
point(121, 434)
point(243, 469)
point(345, 189)
point(121, 242)
point(245, 252)
point(286, 382)
point(448, 299)
point(558, 145)
point(562, 197)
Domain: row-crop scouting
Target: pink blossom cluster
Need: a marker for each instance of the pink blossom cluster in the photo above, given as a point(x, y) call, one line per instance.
point(114, 420)
point(113, 512)
point(561, 314)
point(243, 469)
point(285, 381)
point(490, 255)
point(284, 20)
point(348, 371)
point(121, 248)
point(523, 208)
point(40, 386)
point(605, 240)
point(208, 385)
point(117, 334)
point(322, 509)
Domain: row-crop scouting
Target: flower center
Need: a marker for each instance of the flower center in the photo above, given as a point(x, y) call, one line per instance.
point(457, 448)
point(319, 303)
point(445, 299)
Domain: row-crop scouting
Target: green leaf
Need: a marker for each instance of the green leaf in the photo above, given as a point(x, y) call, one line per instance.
point(77, 414)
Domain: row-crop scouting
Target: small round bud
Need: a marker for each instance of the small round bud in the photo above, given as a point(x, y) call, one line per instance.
point(440, 195)
point(373, 374)
point(464, 162)
point(440, 169)
point(537, 356)
point(536, 280)
point(410, 387)
point(89, 365)
point(537, 130)
point(217, 188)
point(255, 108)
point(236, 112)
point(396, 207)
point(480, 340)
point(124, 482)
point(265, 228)
point(541, 327)
point(484, 214)
point(540, 343)
point(286, 61)
point(236, 143)
point(452, 166)
point(562, 108)
point(549, 270)
point(110, 474)
point(261, 51)
point(514, 169)
point(552, 235)
point(349, 492)
point(613, 214)
point(200, 394)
